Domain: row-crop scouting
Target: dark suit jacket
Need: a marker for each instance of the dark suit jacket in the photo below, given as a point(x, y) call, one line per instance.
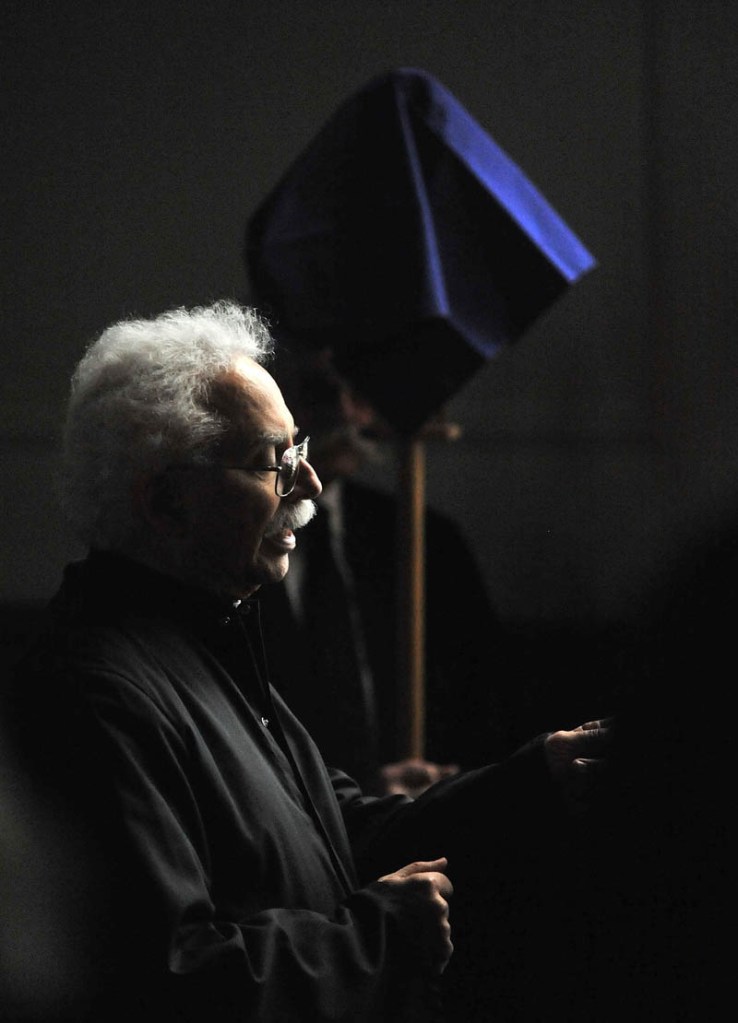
point(466, 651)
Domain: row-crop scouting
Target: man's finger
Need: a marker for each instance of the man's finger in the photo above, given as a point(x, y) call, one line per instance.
point(590, 764)
point(419, 867)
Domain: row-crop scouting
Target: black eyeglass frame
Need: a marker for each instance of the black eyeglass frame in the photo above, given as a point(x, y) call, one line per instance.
point(288, 468)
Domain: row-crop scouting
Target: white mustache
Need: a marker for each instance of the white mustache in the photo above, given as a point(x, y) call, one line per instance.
point(293, 516)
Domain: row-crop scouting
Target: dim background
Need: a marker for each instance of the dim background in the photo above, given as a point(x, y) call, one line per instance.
point(138, 138)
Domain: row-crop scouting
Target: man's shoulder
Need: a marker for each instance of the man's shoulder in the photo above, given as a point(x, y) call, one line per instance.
point(367, 500)
point(83, 647)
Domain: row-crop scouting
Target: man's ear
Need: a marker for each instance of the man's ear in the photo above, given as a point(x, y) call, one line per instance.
point(158, 499)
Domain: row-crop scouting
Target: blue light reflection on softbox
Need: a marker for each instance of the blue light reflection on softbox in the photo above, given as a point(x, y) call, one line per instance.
point(406, 240)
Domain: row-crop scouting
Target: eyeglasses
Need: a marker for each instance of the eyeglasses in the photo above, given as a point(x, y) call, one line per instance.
point(286, 471)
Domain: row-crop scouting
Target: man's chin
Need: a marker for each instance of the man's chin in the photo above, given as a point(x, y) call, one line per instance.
point(267, 571)
point(274, 568)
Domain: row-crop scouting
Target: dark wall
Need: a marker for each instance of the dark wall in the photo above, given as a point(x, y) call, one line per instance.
point(138, 138)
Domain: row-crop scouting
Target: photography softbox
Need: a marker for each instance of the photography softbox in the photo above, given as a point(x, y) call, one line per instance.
point(406, 240)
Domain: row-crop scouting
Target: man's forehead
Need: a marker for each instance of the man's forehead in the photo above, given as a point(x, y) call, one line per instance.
point(250, 398)
point(244, 384)
point(247, 372)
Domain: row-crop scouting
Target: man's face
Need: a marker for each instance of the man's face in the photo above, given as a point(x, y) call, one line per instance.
point(347, 430)
point(239, 533)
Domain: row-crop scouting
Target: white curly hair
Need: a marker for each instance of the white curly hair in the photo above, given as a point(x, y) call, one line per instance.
point(139, 402)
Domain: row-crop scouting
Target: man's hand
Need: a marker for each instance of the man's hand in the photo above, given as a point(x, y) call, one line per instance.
point(413, 776)
point(425, 889)
point(575, 758)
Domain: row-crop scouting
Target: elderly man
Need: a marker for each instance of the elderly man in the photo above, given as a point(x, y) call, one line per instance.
point(232, 875)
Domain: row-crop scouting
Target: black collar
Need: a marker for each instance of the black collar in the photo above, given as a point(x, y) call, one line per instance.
point(106, 585)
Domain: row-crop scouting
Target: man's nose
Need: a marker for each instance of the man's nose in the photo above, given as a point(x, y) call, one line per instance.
point(307, 484)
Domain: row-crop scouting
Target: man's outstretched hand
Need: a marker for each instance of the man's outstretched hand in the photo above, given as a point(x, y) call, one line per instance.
point(576, 759)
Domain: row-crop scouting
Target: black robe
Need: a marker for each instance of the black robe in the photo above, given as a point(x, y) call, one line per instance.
point(227, 872)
